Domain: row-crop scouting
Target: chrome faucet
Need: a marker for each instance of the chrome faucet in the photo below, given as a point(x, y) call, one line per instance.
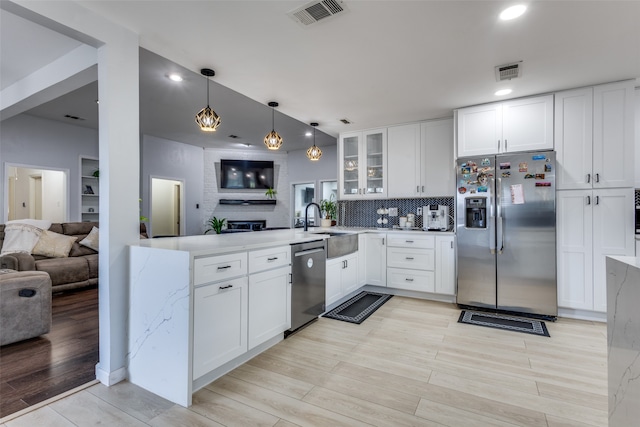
point(306, 215)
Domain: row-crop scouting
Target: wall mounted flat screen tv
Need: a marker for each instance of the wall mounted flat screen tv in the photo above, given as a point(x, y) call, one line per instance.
point(246, 174)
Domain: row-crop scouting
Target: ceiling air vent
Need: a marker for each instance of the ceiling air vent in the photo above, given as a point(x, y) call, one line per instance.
point(509, 71)
point(346, 121)
point(316, 11)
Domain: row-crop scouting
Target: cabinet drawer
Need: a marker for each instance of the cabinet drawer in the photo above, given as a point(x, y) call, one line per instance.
point(418, 259)
point(414, 240)
point(412, 280)
point(222, 267)
point(266, 259)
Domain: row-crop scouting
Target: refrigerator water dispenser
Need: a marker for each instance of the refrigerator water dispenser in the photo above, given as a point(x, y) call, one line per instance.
point(476, 212)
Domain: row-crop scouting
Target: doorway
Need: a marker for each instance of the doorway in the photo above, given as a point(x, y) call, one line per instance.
point(36, 193)
point(167, 207)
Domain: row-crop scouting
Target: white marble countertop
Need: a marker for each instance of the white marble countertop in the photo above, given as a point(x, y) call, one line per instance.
point(630, 260)
point(234, 242)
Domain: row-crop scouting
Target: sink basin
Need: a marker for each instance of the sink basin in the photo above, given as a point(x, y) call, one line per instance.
point(340, 244)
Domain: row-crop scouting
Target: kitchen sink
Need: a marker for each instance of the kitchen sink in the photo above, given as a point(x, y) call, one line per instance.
point(340, 244)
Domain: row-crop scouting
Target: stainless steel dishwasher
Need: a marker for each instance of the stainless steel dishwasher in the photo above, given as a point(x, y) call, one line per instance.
point(308, 271)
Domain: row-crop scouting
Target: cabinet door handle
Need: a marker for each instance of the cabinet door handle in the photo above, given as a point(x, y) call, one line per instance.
point(451, 245)
point(597, 177)
point(597, 200)
point(423, 188)
point(417, 188)
point(383, 241)
point(272, 259)
point(498, 146)
point(588, 178)
point(224, 267)
point(588, 200)
point(225, 287)
point(408, 279)
point(505, 145)
point(410, 258)
point(290, 278)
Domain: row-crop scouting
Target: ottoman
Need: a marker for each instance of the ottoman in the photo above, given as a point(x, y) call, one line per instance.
point(25, 305)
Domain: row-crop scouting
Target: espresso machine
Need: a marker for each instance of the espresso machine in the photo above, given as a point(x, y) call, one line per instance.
point(436, 217)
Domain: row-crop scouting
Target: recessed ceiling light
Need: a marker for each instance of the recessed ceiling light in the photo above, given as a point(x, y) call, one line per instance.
point(175, 77)
point(308, 134)
point(512, 12)
point(503, 92)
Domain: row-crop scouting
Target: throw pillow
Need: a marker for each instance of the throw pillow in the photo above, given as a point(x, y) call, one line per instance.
point(20, 238)
point(92, 239)
point(53, 245)
point(40, 223)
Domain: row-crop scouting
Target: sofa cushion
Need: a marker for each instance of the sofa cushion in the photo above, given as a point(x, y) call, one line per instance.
point(92, 261)
point(20, 238)
point(78, 250)
point(75, 228)
point(65, 270)
point(53, 245)
point(91, 241)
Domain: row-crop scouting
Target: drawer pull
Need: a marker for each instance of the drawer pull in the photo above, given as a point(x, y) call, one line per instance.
point(272, 259)
point(410, 258)
point(225, 287)
point(224, 267)
point(408, 241)
point(408, 279)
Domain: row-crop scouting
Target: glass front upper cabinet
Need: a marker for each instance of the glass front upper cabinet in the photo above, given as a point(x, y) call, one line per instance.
point(362, 164)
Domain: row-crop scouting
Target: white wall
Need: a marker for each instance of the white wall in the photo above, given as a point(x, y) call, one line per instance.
point(29, 140)
point(276, 216)
point(301, 169)
point(162, 158)
point(637, 137)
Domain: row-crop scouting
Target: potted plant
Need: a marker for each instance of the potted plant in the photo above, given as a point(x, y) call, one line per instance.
point(328, 208)
point(271, 193)
point(215, 224)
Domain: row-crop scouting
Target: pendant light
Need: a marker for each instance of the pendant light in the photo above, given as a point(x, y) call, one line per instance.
point(207, 119)
point(314, 153)
point(273, 141)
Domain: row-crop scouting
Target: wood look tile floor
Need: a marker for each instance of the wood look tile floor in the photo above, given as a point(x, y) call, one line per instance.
point(409, 364)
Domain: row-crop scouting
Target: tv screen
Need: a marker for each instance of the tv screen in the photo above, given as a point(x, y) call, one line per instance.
point(246, 174)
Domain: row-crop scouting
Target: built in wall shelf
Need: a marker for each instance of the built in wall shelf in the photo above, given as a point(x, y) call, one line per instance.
point(247, 202)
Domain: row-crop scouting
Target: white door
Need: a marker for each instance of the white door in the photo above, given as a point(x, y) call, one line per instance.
point(349, 274)
point(333, 288)
point(437, 170)
point(613, 234)
point(479, 130)
point(527, 124)
point(575, 248)
point(574, 139)
point(613, 122)
point(404, 161)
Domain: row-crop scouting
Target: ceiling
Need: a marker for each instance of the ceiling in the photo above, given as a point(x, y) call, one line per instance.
point(378, 63)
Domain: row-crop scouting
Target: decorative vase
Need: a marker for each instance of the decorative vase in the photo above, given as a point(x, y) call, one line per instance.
point(325, 222)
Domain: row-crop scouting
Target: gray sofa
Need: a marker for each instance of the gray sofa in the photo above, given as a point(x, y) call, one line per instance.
point(25, 305)
point(79, 269)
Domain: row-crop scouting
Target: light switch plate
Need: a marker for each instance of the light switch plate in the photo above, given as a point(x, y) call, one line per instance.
point(393, 211)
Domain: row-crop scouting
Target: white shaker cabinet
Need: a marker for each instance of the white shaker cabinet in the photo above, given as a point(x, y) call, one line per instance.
point(411, 262)
point(375, 259)
point(594, 137)
point(591, 225)
point(362, 159)
point(269, 305)
point(341, 278)
point(445, 265)
point(421, 161)
point(223, 303)
point(512, 126)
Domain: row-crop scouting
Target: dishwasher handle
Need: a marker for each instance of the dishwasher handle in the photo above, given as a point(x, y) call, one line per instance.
point(308, 252)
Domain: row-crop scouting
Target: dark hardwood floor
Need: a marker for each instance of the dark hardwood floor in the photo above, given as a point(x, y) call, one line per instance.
point(37, 369)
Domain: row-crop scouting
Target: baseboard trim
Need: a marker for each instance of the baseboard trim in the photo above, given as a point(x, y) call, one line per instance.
point(110, 378)
point(572, 313)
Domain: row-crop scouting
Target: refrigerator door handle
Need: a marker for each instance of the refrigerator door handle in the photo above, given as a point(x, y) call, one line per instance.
point(492, 234)
point(500, 235)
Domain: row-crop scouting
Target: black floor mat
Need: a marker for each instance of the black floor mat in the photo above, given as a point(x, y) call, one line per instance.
point(501, 321)
point(358, 308)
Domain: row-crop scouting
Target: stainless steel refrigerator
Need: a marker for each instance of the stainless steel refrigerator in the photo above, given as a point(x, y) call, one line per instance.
point(506, 232)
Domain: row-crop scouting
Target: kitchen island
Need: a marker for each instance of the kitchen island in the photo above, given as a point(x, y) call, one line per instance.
point(202, 305)
point(623, 340)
